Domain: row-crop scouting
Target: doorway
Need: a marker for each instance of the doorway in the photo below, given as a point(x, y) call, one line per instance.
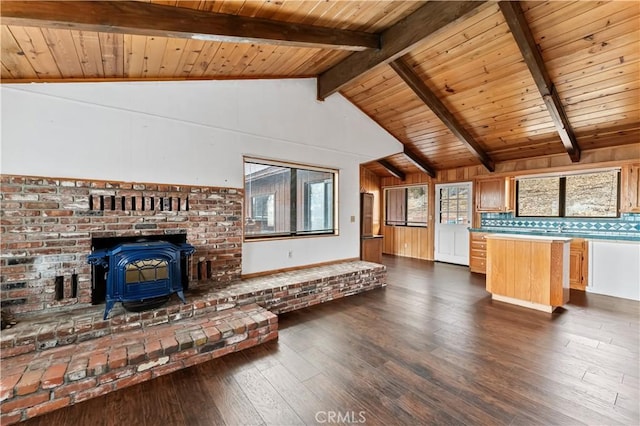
point(453, 217)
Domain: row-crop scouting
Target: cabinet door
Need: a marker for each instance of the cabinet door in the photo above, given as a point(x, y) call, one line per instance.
point(500, 267)
point(575, 270)
point(490, 195)
point(366, 213)
point(578, 264)
point(372, 250)
point(630, 188)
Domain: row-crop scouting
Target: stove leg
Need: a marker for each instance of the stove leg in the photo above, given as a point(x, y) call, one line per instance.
point(181, 296)
point(107, 308)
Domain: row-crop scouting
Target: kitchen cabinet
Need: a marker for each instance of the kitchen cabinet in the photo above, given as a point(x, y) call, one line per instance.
point(529, 271)
point(366, 214)
point(578, 263)
point(495, 194)
point(630, 188)
point(371, 248)
point(370, 245)
point(477, 252)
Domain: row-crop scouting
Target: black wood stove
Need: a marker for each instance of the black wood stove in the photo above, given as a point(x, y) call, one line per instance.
point(141, 271)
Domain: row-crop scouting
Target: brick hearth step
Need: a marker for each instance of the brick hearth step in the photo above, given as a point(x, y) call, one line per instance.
point(41, 381)
point(279, 293)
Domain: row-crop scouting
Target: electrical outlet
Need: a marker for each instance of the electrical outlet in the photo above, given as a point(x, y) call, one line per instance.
point(290, 254)
point(353, 219)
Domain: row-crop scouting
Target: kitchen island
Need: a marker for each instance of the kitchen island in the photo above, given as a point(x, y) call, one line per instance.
point(528, 270)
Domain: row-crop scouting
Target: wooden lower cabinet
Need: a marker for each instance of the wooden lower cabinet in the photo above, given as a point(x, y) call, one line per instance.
point(528, 271)
point(371, 249)
point(578, 263)
point(477, 252)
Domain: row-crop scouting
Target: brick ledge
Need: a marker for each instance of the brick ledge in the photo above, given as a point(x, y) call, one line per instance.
point(40, 382)
point(279, 293)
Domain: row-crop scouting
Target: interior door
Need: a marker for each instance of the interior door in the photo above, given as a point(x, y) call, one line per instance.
point(453, 217)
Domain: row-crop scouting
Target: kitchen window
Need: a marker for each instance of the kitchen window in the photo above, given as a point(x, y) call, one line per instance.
point(406, 206)
point(286, 200)
point(594, 194)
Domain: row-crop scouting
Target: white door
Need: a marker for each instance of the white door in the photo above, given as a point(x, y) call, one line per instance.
point(453, 217)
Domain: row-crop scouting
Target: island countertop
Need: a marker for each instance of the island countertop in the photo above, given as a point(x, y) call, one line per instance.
point(538, 238)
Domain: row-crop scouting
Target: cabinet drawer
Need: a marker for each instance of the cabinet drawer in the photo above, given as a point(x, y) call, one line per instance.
point(479, 245)
point(478, 264)
point(482, 254)
point(578, 244)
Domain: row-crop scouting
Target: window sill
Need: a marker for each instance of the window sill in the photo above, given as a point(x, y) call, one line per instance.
point(288, 237)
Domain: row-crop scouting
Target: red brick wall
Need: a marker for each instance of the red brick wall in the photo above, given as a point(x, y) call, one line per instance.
point(47, 225)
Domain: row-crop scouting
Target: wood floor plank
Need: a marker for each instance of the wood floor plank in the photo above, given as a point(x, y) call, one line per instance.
point(199, 407)
point(227, 395)
point(443, 397)
point(293, 362)
point(295, 392)
point(267, 401)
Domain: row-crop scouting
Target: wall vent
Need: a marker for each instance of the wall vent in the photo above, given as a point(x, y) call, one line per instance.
point(138, 203)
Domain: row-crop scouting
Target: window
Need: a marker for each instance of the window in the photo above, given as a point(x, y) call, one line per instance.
point(406, 206)
point(454, 205)
point(579, 195)
point(284, 200)
point(539, 196)
point(592, 195)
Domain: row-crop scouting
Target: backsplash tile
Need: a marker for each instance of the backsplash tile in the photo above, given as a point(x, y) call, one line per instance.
point(626, 226)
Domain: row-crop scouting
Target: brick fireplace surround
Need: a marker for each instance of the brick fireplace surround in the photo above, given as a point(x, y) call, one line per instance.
point(62, 352)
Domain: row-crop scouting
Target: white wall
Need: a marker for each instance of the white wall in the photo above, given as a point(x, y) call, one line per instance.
point(194, 133)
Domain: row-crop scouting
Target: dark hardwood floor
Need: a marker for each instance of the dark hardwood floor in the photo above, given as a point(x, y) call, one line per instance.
point(431, 348)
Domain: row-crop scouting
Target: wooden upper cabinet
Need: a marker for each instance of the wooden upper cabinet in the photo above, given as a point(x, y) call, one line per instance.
point(630, 188)
point(495, 194)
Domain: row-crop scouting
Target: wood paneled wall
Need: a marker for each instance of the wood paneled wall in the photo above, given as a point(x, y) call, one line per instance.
point(418, 242)
point(409, 241)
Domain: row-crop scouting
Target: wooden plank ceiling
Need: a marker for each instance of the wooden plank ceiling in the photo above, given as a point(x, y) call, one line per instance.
point(458, 83)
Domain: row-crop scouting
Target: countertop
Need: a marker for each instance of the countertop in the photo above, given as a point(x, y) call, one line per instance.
point(554, 233)
point(543, 238)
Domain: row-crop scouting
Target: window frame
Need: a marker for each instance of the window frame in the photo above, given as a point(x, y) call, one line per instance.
point(405, 223)
point(469, 199)
point(562, 193)
point(295, 213)
point(306, 205)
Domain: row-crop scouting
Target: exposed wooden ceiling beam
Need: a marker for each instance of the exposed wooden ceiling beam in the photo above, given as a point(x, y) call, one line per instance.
point(419, 162)
point(395, 42)
point(392, 169)
point(514, 16)
point(432, 101)
point(140, 18)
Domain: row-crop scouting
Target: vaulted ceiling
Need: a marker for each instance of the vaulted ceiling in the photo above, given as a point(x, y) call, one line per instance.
point(458, 83)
